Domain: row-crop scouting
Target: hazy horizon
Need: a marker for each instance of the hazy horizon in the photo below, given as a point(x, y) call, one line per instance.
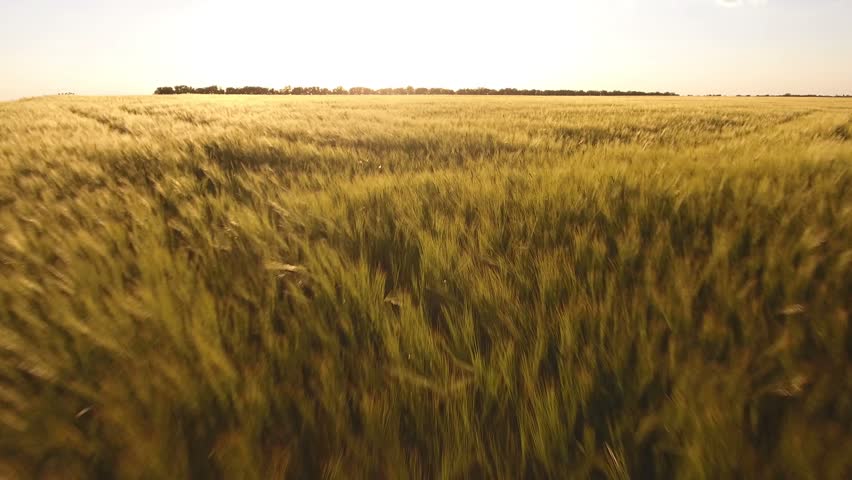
point(97, 47)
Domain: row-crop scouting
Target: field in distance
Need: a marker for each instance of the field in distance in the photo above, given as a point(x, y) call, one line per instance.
point(425, 287)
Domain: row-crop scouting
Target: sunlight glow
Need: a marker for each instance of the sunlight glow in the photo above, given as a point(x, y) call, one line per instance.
point(688, 46)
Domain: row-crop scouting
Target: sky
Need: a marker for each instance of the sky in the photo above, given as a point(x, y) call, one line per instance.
point(108, 47)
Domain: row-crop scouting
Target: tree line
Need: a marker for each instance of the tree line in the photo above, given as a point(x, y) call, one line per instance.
point(288, 90)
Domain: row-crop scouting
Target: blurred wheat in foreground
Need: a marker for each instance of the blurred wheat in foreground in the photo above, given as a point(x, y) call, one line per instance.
point(429, 287)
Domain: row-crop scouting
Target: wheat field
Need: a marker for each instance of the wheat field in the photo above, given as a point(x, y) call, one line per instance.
point(425, 287)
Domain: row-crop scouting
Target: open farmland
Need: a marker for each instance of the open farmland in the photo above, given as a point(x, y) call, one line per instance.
point(425, 287)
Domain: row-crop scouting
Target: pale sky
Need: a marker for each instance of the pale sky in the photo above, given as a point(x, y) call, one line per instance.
point(105, 47)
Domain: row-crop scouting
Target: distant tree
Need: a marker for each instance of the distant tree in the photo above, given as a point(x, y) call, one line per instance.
point(409, 90)
point(361, 91)
point(250, 91)
point(211, 90)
